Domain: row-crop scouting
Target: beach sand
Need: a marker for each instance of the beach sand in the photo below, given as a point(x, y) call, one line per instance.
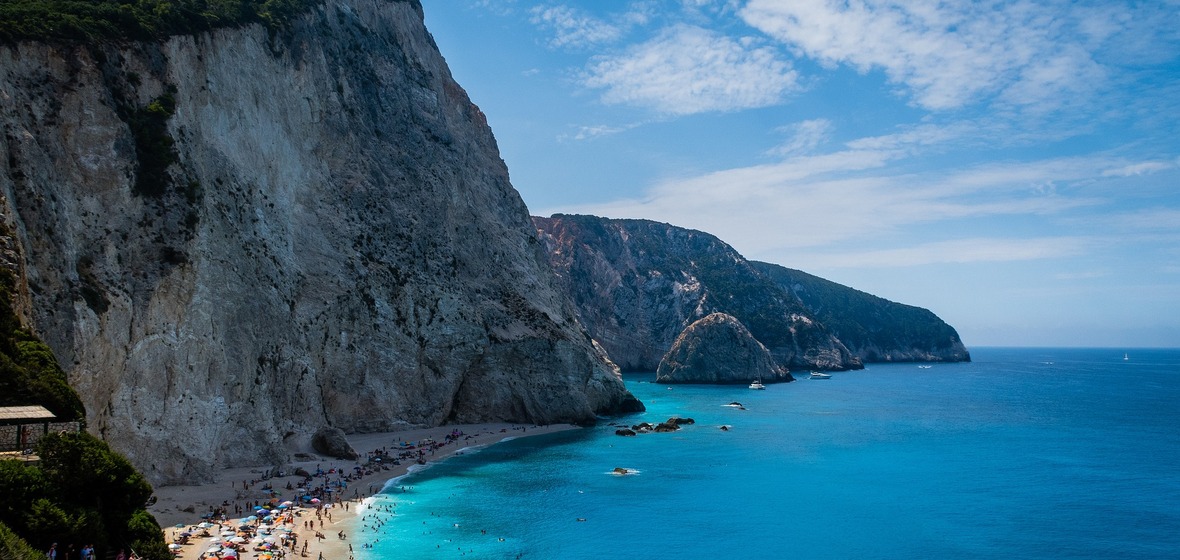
point(179, 509)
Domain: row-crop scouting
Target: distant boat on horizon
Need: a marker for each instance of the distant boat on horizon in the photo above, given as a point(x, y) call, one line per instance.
point(1126, 357)
point(819, 375)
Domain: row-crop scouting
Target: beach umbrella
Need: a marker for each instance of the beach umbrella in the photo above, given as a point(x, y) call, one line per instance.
point(231, 553)
point(238, 540)
point(174, 546)
point(205, 525)
point(315, 500)
point(213, 550)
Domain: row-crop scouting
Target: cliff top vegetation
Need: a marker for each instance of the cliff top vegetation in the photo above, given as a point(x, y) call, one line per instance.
point(88, 21)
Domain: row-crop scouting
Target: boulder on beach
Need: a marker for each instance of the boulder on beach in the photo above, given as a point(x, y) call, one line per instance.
point(331, 442)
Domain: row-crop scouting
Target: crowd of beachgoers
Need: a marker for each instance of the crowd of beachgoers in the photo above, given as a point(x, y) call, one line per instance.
point(310, 511)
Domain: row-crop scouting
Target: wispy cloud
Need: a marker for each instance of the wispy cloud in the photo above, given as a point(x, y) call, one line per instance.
point(818, 205)
point(596, 131)
point(1140, 168)
point(973, 250)
point(570, 27)
point(687, 69)
point(805, 136)
point(946, 55)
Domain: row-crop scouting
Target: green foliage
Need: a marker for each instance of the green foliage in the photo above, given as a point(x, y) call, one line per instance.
point(29, 373)
point(20, 487)
point(88, 21)
point(154, 147)
point(45, 522)
point(12, 547)
point(143, 533)
point(81, 492)
point(85, 469)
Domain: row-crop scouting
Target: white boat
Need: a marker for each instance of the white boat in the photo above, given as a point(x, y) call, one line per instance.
point(757, 385)
point(819, 375)
point(1126, 357)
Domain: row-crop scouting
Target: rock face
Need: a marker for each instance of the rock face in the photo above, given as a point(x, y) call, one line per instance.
point(234, 238)
point(872, 328)
point(718, 349)
point(637, 284)
point(331, 442)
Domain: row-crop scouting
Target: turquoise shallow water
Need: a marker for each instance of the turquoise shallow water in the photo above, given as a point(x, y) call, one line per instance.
point(1023, 453)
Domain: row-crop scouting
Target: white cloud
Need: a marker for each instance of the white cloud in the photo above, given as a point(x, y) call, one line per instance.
point(917, 136)
point(805, 137)
point(595, 131)
point(1139, 168)
point(972, 250)
point(820, 205)
point(574, 28)
point(949, 54)
point(686, 70)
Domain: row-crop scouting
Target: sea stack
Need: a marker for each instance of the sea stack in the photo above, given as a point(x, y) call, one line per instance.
point(718, 349)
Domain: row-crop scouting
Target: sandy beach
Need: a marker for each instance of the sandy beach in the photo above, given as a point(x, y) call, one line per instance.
point(198, 519)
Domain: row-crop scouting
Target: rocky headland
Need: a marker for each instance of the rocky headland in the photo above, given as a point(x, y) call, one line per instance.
point(639, 286)
point(874, 329)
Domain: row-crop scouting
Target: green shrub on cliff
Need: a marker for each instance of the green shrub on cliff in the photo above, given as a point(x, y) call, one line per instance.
point(12, 547)
point(29, 373)
point(84, 21)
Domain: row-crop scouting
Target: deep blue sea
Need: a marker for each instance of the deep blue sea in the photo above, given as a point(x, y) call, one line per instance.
point(1023, 453)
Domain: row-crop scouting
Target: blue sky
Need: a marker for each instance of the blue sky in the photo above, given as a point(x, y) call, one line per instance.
point(1012, 166)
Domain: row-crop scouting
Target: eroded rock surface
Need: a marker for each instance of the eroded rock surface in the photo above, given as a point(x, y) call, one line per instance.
point(718, 349)
point(234, 238)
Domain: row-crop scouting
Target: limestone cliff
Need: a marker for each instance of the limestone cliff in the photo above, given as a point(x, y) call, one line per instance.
point(235, 238)
point(637, 284)
point(718, 349)
point(873, 328)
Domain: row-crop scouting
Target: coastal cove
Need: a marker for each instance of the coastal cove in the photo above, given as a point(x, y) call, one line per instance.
point(1031, 453)
point(185, 509)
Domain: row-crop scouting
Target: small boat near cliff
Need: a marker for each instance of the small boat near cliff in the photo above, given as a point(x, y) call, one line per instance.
point(820, 375)
point(757, 385)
